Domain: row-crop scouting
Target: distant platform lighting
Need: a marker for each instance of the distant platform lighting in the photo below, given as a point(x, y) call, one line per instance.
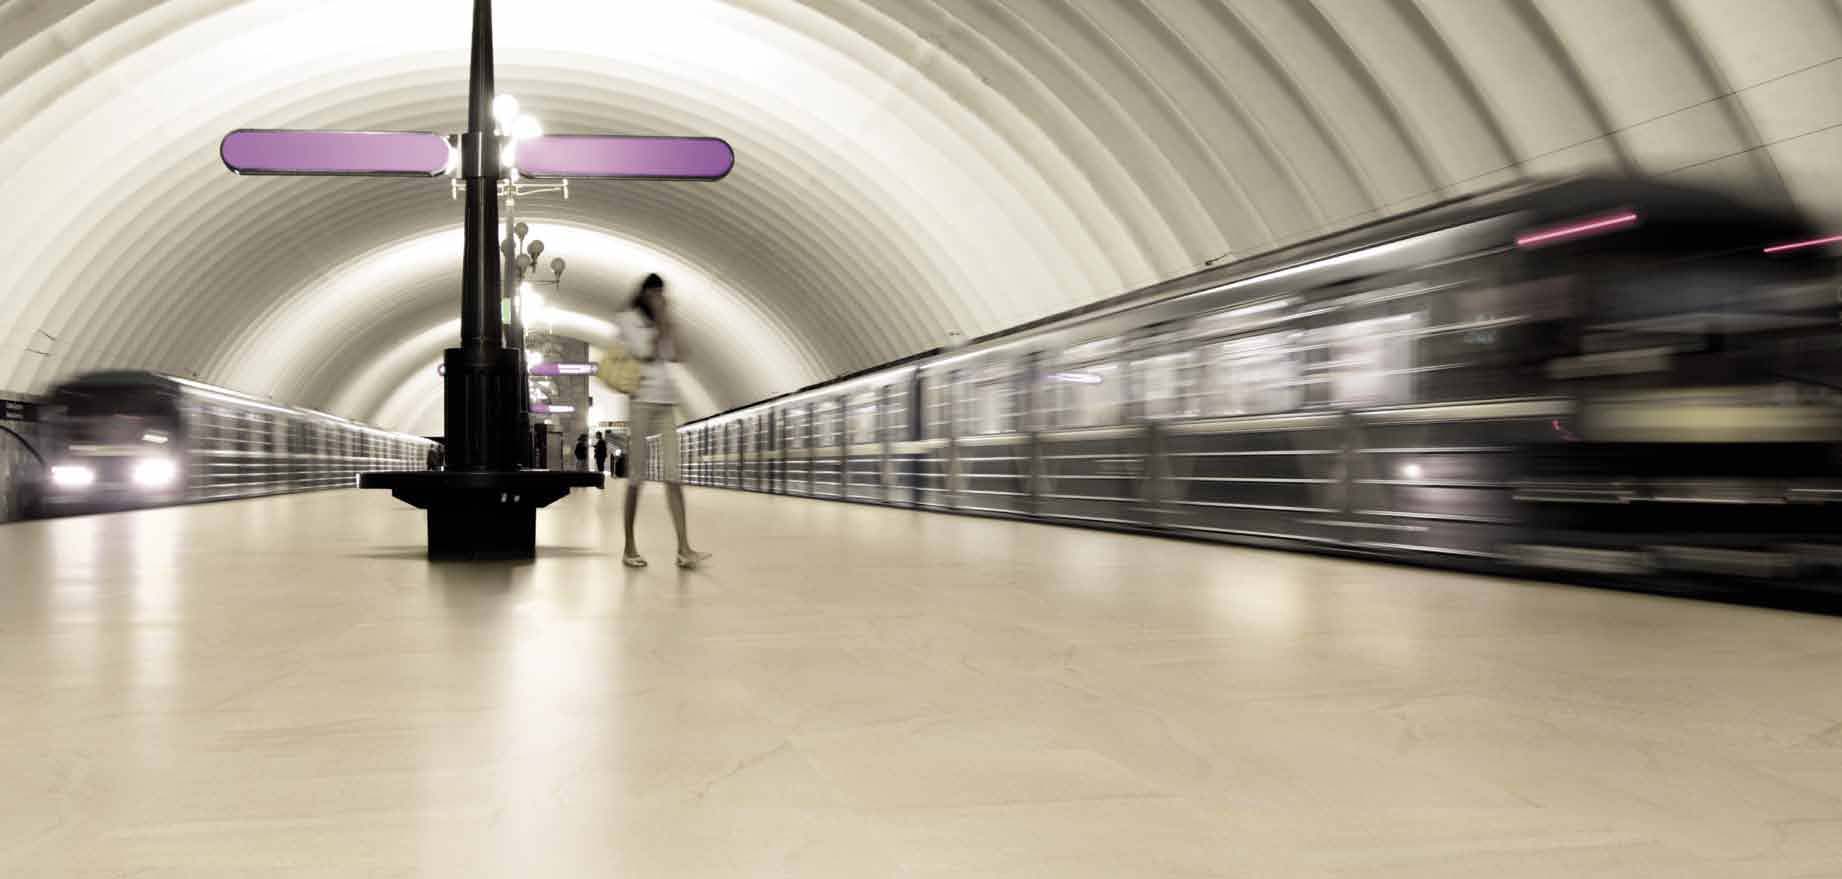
point(1084, 378)
point(552, 409)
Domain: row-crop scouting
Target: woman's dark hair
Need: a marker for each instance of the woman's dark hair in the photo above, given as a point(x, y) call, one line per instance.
point(642, 304)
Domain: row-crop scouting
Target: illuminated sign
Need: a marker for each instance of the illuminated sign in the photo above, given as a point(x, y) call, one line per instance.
point(625, 157)
point(336, 153)
point(560, 369)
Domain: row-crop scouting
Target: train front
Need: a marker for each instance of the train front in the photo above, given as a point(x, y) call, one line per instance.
point(120, 444)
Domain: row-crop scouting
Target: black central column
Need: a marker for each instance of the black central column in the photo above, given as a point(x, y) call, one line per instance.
point(484, 505)
point(479, 373)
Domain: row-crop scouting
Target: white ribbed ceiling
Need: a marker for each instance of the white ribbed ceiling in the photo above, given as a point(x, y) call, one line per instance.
point(905, 168)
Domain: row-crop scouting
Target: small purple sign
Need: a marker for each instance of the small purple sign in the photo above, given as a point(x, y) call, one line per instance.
point(336, 153)
point(619, 156)
point(564, 369)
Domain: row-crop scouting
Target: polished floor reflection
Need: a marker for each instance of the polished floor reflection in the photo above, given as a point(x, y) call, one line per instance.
point(284, 687)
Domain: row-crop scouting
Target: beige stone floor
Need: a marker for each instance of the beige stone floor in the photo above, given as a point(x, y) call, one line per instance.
point(284, 687)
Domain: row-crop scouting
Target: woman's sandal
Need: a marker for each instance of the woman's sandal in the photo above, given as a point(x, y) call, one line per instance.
point(692, 560)
point(632, 561)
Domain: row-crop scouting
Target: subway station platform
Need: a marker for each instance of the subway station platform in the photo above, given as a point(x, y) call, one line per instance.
point(284, 687)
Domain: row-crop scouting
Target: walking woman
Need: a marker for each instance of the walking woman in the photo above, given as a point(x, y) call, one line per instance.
point(650, 334)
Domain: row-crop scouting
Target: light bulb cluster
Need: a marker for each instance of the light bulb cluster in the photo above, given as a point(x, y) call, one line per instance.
point(516, 125)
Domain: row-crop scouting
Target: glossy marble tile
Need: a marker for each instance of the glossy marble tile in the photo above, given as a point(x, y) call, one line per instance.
point(283, 687)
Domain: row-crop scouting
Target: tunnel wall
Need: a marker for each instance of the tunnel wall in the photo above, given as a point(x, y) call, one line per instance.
point(906, 169)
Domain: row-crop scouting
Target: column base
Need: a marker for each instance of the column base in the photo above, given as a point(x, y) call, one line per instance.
point(480, 515)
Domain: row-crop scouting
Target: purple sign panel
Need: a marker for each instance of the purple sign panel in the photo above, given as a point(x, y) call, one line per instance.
point(545, 369)
point(336, 153)
point(655, 158)
point(564, 369)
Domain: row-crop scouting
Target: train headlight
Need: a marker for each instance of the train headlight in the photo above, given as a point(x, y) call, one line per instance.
point(155, 472)
point(72, 476)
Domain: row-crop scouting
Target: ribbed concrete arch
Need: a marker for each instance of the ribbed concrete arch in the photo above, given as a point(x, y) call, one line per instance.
point(907, 167)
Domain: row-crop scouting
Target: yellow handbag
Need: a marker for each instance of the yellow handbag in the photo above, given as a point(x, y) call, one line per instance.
point(618, 370)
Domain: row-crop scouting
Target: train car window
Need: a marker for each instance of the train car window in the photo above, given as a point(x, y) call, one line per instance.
point(1255, 374)
point(1372, 360)
point(895, 410)
point(1485, 340)
point(991, 400)
point(796, 428)
point(1089, 395)
point(936, 404)
point(114, 401)
point(1166, 385)
point(863, 417)
point(825, 424)
point(1085, 387)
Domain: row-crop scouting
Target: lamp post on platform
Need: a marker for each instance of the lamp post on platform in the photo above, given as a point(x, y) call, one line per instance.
point(520, 258)
point(485, 505)
point(513, 127)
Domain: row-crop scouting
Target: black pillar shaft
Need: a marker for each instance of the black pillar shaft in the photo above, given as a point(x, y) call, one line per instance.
point(476, 411)
point(480, 325)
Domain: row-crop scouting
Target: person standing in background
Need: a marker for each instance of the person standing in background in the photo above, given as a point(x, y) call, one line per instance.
point(649, 332)
point(582, 452)
point(601, 452)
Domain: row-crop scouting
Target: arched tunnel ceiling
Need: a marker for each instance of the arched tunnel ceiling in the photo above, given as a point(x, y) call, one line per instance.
point(906, 167)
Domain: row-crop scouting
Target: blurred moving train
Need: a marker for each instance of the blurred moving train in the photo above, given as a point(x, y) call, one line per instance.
point(1616, 379)
point(133, 439)
point(19, 461)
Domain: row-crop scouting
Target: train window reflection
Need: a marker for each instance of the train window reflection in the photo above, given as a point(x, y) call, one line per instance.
point(895, 411)
point(1088, 395)
point(1371, 361)
point(796, 428)
point(1166, 385)
point(825, 427)
point(934, 405)
point(863, 417)
point(990, 402)
point(1258, 374)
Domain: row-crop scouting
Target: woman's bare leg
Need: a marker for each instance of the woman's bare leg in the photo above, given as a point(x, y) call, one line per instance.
point(674, 497)
point(687, 557)
point(627, 516)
